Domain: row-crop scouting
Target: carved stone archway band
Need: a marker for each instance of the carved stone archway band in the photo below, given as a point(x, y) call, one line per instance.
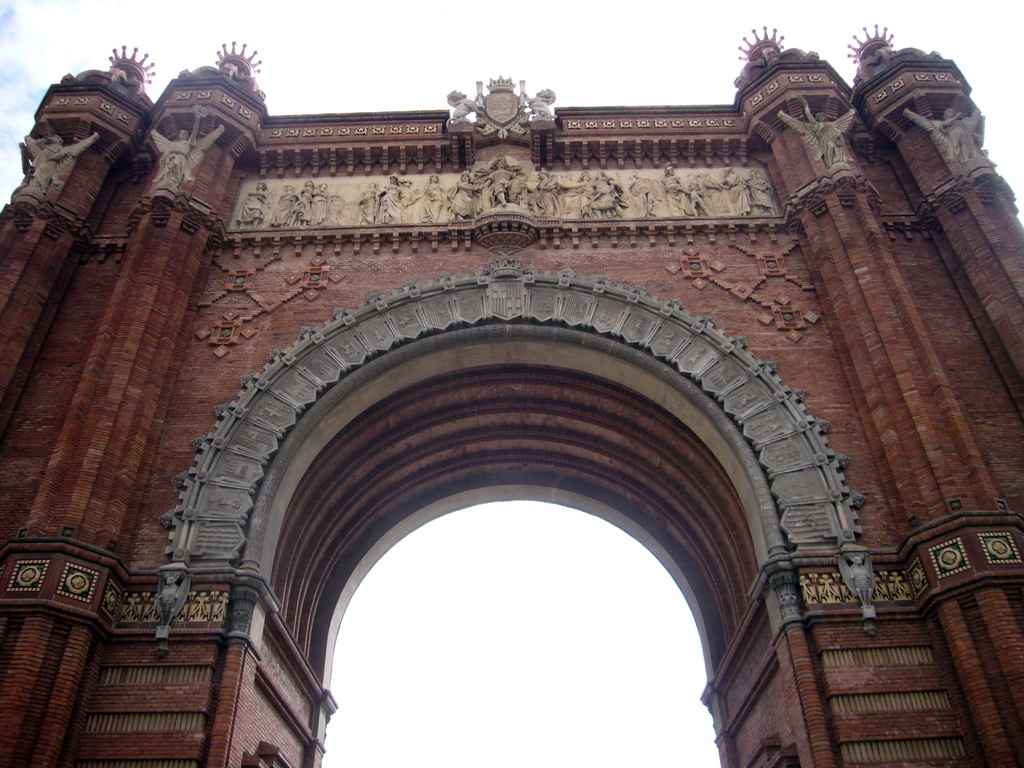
point(209, 526)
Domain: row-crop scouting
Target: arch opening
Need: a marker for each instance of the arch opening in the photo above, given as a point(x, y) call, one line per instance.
point(517, 630)
point(505, 413)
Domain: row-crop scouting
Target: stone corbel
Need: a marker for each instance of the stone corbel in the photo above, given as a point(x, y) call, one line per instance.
point(858, 574)
point(175, 581)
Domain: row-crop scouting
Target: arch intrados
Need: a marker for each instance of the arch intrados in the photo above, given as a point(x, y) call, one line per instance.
point(489, 345)
point(689, 510)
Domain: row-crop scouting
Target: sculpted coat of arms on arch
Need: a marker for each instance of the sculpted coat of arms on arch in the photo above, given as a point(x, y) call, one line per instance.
point(502, 111)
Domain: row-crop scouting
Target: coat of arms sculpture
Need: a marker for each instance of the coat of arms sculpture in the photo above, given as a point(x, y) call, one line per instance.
point(502, 111)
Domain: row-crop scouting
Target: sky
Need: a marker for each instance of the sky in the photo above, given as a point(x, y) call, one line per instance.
point(537, 604)
point(515, 634)
point(403, 55)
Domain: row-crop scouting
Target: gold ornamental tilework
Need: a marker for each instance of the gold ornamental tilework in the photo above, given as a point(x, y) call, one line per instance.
point(111, 600)
point(78, 582)
point(916, 576)
point(949, 557)
point(828, 588)
point(201, 606)
point(28, 575)
point(999, 547)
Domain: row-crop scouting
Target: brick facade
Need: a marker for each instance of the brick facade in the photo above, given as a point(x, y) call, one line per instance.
point(177, 547)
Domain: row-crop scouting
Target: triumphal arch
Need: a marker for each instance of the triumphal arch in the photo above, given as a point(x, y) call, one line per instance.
point(779, 342)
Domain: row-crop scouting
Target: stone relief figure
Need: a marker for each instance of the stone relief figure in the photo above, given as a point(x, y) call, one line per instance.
point(545, 200)
point(368, 204)
point(735, 195)
point(432, 202)
point(605, 199)
point(179, 157)
point(502, 182)
point(464, 198)
point(304, 208)
point(828, 139)
point(319, 205)
point(462, 107)
point(761, 203)
point(391, 209)
point(575, 195)
point(335, 210)
point(254, 209)
point(959, 137)
point(51, 161)
point(540, 105)
point(642, 191)
point(284, 211)
point(700, 195)
point(677, 194)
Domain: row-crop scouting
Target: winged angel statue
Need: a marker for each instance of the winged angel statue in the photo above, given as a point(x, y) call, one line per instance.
point(51, 161)
point(827, 138)
point(179, 157)
point(958, 136)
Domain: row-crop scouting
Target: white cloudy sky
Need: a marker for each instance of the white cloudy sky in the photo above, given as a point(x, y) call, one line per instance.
point(531, 606)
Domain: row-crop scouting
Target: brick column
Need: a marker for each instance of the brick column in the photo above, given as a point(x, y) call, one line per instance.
point(116, 412)
point(234, 677)
point(969, 669)
point(967, 200)
point(920, 434)
point(41, 683)
point(41, 232)
point(1005, 635)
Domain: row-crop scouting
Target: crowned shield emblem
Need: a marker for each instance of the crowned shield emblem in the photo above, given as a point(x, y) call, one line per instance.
point(504, 111)
point(501, 103)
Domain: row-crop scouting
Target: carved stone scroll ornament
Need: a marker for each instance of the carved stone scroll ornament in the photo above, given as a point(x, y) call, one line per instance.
point(51, 162)
point(809, 504)
point(827, 138)
point(180, 157)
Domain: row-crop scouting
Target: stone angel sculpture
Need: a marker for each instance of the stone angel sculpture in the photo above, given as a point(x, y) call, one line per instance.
point(51, 161)
point(958, 136)
point(827, 138)
point(179, 157)
point(859, 576)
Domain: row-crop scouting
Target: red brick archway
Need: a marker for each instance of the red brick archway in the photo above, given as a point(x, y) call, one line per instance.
point(518, 419)
point(128, 310)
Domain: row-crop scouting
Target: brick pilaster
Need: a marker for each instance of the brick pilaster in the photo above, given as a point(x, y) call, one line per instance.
point(970, 670)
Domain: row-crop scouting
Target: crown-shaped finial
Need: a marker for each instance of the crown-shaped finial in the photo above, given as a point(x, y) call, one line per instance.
point(770, 46)
point(133, 68)
point(501, 84)
point(872, 43)
point(241, 64)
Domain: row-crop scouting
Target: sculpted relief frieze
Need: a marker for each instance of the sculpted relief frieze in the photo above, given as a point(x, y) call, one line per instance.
point(503, 184)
